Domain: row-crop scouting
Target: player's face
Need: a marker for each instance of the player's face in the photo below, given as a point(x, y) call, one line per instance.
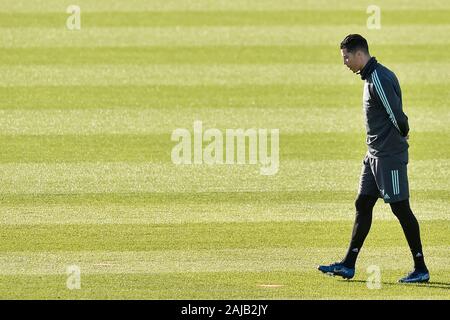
point(350, 60)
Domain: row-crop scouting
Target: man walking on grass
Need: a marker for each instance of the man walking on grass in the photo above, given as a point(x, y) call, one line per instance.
point(384, 171)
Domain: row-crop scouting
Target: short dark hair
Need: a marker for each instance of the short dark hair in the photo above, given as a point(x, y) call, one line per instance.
point(355, 42)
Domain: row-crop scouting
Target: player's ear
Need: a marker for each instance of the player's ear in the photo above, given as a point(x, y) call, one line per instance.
point(359, 55)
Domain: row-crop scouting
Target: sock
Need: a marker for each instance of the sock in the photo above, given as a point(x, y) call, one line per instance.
point(363, 220)
point(411, 229)
point(350, 258)
point(419, 261)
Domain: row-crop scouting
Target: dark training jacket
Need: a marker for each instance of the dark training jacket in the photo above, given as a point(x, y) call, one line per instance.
point(386, 124)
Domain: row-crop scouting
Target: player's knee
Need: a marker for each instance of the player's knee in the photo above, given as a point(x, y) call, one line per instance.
point(358, 204)
point(364, 203)
point(401, 208)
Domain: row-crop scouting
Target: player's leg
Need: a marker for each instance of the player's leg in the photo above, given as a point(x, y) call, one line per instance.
point(411, 229)
point(363, 220)
point(367, 197)
point(393, 178)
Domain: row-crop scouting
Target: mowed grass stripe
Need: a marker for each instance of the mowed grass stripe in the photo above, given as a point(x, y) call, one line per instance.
point(222, 36)
point(142, 121)
point(293, 175)
point(157, 147)
point(220, 260)
point(214, 55)
point(211, 236)
point(224, 18)
point(204, 96)
point(218, 5)
point(188, 199)
point(174, 74)
point(299, 284)
point(193, 208)
point(220, 74)
point(417, 97)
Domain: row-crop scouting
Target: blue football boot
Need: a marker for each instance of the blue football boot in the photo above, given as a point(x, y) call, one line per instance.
point(416, 276)
point(338, 269)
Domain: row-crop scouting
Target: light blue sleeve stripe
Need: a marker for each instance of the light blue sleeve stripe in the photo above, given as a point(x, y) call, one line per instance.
point(380, 92)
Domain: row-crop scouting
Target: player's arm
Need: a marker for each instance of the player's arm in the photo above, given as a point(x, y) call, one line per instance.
point(391, 101)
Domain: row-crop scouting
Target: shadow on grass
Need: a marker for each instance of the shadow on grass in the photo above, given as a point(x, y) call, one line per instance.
point(431, 284)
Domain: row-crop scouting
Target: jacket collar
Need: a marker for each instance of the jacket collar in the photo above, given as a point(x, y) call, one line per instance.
point(368, 68)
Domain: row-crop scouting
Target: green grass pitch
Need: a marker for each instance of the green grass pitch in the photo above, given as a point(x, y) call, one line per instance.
point(86, 177)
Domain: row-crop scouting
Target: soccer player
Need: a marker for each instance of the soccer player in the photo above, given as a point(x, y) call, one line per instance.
point(384, 173)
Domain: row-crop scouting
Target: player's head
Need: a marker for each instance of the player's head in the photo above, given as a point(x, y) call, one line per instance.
point(355, 52)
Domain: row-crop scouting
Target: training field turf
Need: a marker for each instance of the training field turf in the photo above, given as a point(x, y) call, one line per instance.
point(86, 176)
